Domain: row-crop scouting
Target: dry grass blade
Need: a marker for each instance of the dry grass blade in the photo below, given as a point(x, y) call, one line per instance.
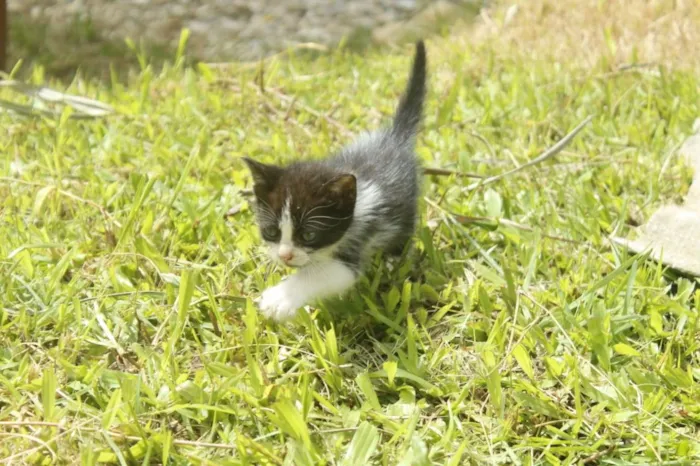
point(433, 171)
point(466, 220)
point(25, 110)
point(549, 153)
point(596, 456)
point(83, 107)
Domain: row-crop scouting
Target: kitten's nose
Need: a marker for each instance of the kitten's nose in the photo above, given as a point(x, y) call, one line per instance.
point(285, 253)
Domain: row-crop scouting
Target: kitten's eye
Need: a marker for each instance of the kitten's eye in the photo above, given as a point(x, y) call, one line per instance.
point(308, 236)
point(271, 233)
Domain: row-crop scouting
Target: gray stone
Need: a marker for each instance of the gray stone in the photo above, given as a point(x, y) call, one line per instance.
point(206, 12)
point(230, 26)
point(231, 8)
point(198, 27)
point(406, 5)
point(177, 10)
point(111, 19)
point(259, 27)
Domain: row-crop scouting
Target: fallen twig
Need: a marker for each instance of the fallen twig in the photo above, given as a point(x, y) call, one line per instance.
point(620, 70)
point(434, 171)
point(123, 294)
point(444, 172)
point(223, 297)
point(289, 108)
point(465, 220)
point(549, 153)
point(598, 455)
point(490, 221)
point(83, 107)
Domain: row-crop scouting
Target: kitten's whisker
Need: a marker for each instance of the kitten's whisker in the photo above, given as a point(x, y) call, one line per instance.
point(268, 220)
point(329, 217)
point(263, 203)
point(265, 210)
point(308, 212)
point(267, 215)
point(325, 220)
point(320, 218)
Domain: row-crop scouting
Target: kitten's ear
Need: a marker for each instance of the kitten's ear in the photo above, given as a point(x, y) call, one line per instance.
point(342, 187)
point(263, 175)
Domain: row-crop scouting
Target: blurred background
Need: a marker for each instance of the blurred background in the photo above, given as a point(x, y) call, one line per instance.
point(64, 35)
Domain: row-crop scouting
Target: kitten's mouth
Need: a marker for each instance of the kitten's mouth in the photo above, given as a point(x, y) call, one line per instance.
point(303, 262)
point(291, 265)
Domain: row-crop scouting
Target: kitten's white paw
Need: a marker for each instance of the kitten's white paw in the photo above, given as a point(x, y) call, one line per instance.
point(280, 302)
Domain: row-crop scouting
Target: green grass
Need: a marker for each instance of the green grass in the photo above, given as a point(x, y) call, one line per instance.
point(127, 329)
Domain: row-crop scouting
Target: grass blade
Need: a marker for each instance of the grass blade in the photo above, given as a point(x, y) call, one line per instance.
point(48, 394)
point(363, 445)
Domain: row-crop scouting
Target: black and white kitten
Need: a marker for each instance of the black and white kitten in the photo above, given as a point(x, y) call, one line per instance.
point(328, 217)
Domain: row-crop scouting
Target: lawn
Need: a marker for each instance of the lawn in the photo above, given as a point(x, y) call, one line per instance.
point(514, 332)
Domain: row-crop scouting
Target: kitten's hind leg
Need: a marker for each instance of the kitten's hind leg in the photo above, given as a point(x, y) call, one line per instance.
point(399, 246)
point(310, 283)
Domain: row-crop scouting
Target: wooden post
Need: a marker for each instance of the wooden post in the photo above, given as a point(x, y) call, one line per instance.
point(3, 34)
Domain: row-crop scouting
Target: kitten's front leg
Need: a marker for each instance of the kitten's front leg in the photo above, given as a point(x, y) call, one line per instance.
point(312, 282)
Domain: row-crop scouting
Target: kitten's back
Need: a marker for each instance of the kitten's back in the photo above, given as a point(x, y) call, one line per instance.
point(386, 168)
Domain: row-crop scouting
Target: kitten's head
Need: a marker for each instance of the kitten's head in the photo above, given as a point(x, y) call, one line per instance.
point(302, 210)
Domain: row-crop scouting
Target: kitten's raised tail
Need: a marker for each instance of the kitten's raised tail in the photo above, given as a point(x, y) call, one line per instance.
point(410, 109)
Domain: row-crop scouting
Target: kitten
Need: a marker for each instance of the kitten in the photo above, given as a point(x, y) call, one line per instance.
point(328, 217)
